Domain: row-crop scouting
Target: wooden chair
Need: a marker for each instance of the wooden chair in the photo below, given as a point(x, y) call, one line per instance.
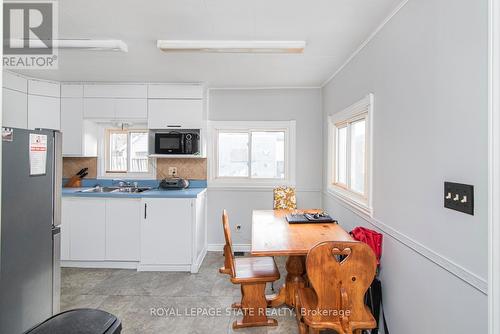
point(340, 273)
point(252, 273)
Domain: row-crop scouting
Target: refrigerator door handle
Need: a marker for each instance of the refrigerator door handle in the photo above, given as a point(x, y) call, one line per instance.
point(56, 230)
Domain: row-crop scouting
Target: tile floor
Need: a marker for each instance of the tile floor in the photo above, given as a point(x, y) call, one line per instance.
point(130, 295)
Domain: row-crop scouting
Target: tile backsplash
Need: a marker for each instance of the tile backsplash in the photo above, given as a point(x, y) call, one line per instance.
point(193, 169)
point(72, 165)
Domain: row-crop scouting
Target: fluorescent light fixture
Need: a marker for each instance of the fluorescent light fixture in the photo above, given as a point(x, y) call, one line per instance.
point(83, 44)
point(231, 46)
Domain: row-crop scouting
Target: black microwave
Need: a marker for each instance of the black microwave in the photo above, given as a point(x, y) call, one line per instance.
point(177, 143)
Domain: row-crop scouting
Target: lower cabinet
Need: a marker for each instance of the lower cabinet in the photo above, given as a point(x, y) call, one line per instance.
point(100, 229)
point(150, 234)
point(173, 234)
point(123, 229)
point(83, 221)
point(166, 233)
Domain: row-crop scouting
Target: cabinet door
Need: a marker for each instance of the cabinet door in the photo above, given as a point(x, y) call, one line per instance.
point(65, 229)
point(44, 88)
point(164, 113)
point(123, 228)
point(161, 91)
point(98, 108)
point(166, 231)
point(72, 125)
point(14, 109)
point(44, 112)
point(87, 232)
point(131, 108)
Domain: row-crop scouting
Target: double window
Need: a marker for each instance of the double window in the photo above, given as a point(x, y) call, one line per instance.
point(350, 155)
point(253, 153)
point(126, 151)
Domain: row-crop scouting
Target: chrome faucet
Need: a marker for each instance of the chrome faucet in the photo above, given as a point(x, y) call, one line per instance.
point(121, 183)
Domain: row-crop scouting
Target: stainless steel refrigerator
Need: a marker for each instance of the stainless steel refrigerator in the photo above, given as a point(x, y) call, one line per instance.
point(30, 229)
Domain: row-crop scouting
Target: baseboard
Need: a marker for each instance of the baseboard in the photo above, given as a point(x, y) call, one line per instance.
point(465, 275)
point(100, 264)
point(236, 247)
point(164, 267)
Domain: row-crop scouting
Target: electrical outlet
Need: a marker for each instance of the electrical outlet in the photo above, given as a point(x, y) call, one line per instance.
point(172, 171)
point(459, 197)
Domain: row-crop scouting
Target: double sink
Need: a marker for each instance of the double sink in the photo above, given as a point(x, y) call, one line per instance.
point(126, 189)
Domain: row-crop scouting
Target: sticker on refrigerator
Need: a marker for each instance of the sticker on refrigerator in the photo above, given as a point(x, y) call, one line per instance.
point(7, 134)
point(38, 154)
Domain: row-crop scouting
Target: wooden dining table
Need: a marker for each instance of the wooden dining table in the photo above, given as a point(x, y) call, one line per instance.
point(272, 235)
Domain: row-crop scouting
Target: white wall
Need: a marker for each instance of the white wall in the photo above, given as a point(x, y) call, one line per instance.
point(302, 105)
point(428, 71)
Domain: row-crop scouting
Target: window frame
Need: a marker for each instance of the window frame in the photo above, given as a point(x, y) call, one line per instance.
point(361, 110)
point(104, 155)
point(288, 127)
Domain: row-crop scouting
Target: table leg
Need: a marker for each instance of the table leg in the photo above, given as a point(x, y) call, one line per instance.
point(295, 267)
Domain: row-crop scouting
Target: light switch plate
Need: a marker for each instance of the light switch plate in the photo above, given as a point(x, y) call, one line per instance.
point(459, 197)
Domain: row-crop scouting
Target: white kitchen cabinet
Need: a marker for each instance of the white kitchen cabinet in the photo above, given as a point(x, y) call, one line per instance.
point(96, 108)
point(123, 228)
point(172, 113)
point(79, 135)
point(115, 91)
point(166, 232)
point(44, 112)
point(114, 109)
point(72, 125)
point(14, 100)
point(131, 109)
point(85, 218)
point(173, 234)
point(15, 82)
point(14, 108)
point(71, 90)
point(44, 88)
point(166, 91)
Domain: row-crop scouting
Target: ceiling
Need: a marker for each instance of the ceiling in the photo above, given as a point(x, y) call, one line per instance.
point(333, 29)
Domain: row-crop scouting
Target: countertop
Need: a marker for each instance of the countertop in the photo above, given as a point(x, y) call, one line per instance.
point(196, 187)
point(153, 193)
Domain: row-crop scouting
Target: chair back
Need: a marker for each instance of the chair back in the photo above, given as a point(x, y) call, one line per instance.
point(228, 247)
point(284, 198)
point(340, 274)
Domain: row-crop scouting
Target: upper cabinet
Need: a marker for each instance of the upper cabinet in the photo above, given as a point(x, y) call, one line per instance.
point(79, 135)
point(127, 91)
point(175, 106)
point(14, 101)
point(162, 91)
point(115, 102)
point(44, 112)
point(115, 108)
point(44, 105)
point(172, 113)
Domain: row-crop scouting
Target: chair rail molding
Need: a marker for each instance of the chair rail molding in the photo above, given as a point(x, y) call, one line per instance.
point(465, 275)
point(494, 168)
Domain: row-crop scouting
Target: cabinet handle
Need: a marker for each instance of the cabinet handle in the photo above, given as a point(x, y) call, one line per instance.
point(173, 126)
point(145, 210)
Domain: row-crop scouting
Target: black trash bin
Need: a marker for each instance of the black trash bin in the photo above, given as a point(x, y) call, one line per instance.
point(79, 321)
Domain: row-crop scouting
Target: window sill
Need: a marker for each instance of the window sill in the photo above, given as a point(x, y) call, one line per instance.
point(234, 185)
point(350, 200)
